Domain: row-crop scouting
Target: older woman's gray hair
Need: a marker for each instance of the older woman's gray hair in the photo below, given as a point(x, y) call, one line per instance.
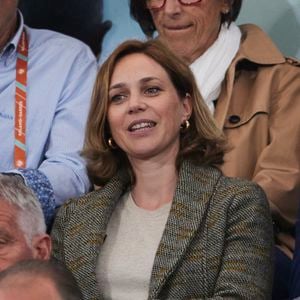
point(30, 218)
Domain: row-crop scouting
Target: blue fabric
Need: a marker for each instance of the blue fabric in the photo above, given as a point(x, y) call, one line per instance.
point(295, 274)
point(40, 184)
point(61, 73)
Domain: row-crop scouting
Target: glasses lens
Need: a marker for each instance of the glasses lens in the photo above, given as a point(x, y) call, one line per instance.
point(153, 4)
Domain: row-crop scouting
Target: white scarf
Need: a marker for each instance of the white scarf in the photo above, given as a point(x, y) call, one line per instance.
point(210, 68)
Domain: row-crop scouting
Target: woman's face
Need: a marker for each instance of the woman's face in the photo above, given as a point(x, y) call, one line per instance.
point(189, 30)
point(145, 111)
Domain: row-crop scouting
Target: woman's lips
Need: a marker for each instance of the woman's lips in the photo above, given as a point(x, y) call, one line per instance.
point(177, 27)
point(141, 125)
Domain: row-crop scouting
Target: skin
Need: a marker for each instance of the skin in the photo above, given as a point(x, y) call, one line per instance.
point(8, 20)
point(147, 96)
point(27, 287)
point(189, 30)
point(13, 244)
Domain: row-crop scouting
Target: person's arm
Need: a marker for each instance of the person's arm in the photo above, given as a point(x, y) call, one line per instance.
point(278, 167)
point(246, 268)
point(62, 172)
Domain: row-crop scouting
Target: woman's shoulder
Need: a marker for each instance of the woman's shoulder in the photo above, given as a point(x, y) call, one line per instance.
point(239, 185)
point(101, 197)
point(199, 172)
point(78, 204)
point(225, 190)
point(239, 193)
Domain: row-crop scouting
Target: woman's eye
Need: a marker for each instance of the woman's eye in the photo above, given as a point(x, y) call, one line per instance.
point(117, 98)
point(152, 91)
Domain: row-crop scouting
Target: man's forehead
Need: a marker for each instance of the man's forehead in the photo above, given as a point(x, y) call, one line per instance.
point(5, 206)
point(9, 213)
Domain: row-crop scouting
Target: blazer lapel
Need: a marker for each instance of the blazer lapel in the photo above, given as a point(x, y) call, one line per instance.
point(86, 234)
point(194, 190)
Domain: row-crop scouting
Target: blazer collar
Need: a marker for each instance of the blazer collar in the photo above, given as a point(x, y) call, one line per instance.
point(87, 233)
point(194, 190)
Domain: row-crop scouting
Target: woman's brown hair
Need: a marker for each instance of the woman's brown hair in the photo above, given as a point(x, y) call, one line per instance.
point(202, 142)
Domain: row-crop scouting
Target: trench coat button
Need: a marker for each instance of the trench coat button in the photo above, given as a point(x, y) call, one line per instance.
point(292, 61)
point(234, 119)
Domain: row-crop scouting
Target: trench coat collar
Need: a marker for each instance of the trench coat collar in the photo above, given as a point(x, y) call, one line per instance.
point(255, 47)
point(194, 190)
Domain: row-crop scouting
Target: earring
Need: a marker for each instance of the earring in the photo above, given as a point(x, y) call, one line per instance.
point(226, 11)
point(185, 125)
point(111, 143)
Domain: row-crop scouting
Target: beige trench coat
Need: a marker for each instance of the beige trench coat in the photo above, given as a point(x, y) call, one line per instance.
point(259, 110)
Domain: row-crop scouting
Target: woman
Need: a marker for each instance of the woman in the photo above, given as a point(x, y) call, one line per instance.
point(251, 89)
point(167, 223)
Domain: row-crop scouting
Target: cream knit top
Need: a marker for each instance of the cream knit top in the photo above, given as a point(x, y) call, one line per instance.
point(126, 258)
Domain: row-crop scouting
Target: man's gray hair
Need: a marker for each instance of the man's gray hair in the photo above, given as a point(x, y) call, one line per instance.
point(30, 218)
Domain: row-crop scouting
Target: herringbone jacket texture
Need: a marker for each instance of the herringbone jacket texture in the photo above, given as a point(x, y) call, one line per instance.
point(217, 242)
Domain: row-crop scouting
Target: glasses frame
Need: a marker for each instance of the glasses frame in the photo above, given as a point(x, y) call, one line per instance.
point(164, 2)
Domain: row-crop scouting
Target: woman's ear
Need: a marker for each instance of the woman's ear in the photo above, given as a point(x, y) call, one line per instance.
point(187, 106)
point(226, 6)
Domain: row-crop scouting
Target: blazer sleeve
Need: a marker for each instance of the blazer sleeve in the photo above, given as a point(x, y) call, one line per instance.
point(246, 268)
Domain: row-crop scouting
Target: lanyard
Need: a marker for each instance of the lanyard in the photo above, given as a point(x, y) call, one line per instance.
point(20, 102)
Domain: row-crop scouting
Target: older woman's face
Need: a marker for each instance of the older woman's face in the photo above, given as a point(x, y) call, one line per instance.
point(189, 30)
point(145, 111)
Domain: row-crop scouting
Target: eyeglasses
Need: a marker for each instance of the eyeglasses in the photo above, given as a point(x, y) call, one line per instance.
point(157, 4)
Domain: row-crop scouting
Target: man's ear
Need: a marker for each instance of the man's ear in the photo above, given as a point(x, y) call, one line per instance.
point(41, 246)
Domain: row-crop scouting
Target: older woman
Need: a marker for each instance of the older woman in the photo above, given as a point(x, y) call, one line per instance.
point(166, 223)
point(252, 90)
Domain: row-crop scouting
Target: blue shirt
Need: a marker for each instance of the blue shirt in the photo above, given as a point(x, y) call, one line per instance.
point(61, 74)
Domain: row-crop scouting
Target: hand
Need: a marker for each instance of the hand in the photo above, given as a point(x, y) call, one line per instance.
point(286, 243)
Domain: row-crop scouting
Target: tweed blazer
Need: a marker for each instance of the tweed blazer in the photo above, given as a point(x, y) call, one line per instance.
point(217, 241)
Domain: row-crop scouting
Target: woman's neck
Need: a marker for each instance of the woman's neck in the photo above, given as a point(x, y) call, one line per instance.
point(155, 183)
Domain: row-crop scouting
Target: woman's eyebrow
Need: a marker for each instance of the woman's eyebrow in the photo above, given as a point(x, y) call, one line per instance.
point(117, 86)
point(142, 80)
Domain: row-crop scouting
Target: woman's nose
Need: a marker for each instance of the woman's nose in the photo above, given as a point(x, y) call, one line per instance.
point(172, 7)
point(136, 104)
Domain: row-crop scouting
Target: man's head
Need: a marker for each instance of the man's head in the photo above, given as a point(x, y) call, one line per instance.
point(22, 225)
point(8, 20)
point(36, 279)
